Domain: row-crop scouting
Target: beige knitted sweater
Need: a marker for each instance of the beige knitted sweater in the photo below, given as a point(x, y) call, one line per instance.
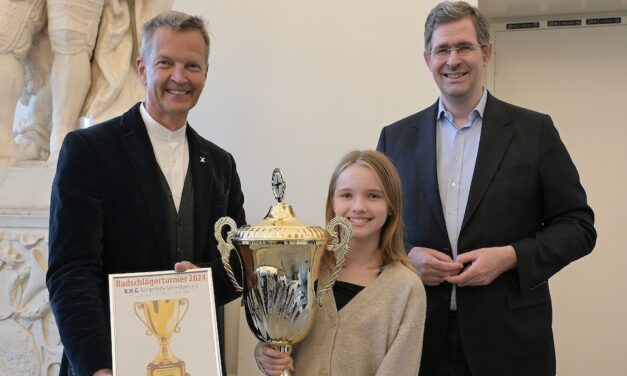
point(379, 332)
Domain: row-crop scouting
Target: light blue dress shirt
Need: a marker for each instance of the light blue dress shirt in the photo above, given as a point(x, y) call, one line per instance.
point(457, 149)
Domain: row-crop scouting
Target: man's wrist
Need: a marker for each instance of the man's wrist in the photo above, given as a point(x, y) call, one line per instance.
point(104, 372)
point(511, 261)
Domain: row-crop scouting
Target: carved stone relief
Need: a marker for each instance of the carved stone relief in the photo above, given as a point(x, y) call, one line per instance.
point(29, 339)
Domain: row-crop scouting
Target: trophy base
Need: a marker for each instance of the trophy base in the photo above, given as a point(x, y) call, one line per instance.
point(168, 369)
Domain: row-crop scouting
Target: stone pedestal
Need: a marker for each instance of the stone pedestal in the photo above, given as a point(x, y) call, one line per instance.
point(29, 340)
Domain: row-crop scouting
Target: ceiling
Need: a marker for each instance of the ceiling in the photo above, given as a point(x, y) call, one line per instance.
point(529, 8)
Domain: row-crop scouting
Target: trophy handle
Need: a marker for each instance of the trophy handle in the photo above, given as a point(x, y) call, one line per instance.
point(140, 305)
point(182, 302)
point(226, 246)
point(339, 247)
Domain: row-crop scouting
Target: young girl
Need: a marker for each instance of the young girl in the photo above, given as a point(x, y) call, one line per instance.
point(372, 322)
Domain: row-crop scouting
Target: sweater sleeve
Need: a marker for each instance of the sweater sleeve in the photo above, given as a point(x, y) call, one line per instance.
point(403, 357)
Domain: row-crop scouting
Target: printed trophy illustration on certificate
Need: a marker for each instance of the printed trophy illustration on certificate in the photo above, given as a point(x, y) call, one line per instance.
point(281, 258)
point(162, 319)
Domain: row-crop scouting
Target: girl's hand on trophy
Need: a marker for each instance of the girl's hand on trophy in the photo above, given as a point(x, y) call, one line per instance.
point(183, 266)
point(272, 362)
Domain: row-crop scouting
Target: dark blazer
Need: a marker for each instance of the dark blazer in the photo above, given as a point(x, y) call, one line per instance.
point(108, 215)
point(525, 192)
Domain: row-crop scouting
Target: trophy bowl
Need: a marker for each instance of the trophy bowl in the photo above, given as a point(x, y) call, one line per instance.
point(281, 259)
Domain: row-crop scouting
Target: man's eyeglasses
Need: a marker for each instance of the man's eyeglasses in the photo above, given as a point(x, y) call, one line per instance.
point(462, 50)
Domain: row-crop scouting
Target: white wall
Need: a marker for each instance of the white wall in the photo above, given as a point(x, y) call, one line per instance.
point(577, 76)
point(296, 84)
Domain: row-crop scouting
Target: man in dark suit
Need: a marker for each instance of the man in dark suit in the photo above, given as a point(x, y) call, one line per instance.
point(493, 208)
point(137, 193)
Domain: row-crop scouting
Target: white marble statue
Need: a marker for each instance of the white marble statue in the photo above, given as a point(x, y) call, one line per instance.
point(20, 21)
point(84, 68)
point(72, 28)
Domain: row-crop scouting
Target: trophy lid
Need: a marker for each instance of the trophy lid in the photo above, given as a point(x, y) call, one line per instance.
point(280, 226)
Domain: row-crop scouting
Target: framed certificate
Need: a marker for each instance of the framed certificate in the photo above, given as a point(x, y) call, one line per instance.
point(164, 324)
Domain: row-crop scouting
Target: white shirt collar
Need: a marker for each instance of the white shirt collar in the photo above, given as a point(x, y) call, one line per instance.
point(476, 112)
point(155, 129)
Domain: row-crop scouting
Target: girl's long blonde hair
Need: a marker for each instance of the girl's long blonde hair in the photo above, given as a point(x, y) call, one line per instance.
point(391, 239)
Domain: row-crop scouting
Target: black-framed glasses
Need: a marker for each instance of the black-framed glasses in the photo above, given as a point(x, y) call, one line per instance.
point(461, 50)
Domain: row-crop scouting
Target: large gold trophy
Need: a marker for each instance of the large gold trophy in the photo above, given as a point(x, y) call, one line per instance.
point(162, 320)
point(281, 260)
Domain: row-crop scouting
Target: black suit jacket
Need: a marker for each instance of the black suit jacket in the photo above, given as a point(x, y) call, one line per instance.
point(108, 215)
point(525, 192)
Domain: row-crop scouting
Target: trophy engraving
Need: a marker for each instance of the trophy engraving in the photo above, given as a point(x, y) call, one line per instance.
point(162, 319)
point(281, 259)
